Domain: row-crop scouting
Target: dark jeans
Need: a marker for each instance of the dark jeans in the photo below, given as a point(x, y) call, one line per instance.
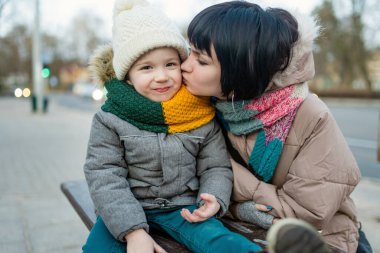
point(206, 237)
point(363, 246)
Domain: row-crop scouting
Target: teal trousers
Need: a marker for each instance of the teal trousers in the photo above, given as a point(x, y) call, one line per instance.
point(209, 236)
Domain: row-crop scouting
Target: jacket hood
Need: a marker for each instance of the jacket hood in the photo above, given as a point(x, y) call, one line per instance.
point(301, 65)
point(100, 65)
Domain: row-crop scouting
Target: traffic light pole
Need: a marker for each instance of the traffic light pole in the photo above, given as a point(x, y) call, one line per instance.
point(37, 66)
point(378, 140)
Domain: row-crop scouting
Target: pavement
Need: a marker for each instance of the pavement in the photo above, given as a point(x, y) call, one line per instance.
point(39, 151)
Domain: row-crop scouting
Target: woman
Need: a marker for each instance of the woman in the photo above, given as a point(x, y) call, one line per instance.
point(288, 152)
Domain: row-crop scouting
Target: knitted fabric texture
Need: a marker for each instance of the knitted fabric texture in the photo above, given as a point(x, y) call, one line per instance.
point(182, 113)
point(138, 28)
point(248, 212)
point(272, 116)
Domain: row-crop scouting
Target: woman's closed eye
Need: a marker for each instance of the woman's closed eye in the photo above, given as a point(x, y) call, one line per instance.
point(201, 58)
point(201, 62)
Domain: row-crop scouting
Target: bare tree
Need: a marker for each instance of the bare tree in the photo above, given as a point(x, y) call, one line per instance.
point(15, 54)
point(3, 3)
point(361, 54)
point(84, 35)
point(372, 21)
point(342, 56)
point(327, 46)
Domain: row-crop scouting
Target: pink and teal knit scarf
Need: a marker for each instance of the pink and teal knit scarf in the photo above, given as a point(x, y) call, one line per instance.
point(272, 116)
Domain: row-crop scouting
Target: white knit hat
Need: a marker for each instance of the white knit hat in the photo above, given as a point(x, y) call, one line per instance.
point(138, 28)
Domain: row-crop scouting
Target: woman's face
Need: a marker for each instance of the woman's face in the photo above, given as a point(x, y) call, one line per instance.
point(201, 73)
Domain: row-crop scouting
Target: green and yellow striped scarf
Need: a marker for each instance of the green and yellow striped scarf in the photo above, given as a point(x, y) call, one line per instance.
point(182, 113)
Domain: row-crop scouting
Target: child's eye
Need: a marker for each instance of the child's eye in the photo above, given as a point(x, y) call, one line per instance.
point(146, 67)
point(172, 64)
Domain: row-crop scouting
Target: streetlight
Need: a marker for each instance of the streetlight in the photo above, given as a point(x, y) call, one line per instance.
point(378, 140)
point(37, 98)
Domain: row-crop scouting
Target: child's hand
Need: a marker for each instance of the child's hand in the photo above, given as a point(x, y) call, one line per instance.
point(209, 209)
point(140, 241)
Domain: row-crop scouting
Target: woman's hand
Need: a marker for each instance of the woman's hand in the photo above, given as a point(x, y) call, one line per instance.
point(139, 241)
point(265, 209)
point(207, 210)
point(254, 213)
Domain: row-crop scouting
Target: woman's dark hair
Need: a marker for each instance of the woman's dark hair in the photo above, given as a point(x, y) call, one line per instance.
point(250, 43)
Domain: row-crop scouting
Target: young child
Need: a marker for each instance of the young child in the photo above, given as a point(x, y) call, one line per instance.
point(156, 158)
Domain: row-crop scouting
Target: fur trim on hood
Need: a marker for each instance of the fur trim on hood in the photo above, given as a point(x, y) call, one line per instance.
point(100, 65)
point(301, 65)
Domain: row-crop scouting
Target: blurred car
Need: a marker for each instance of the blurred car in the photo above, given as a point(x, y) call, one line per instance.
point(88, 90)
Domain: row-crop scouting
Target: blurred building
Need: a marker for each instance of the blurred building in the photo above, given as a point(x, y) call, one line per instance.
point(374, 70)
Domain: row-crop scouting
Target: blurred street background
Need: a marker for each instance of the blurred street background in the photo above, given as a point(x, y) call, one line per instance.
point(47, 100)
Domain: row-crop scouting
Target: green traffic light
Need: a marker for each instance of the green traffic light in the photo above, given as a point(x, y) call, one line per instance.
point(45, 73)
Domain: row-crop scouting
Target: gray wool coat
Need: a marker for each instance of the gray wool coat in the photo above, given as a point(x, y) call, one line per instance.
point(129, 170)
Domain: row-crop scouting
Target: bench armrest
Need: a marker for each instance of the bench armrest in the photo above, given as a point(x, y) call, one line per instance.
point(79, 197)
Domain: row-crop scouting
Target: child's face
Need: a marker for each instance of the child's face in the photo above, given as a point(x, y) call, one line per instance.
point(157, 74)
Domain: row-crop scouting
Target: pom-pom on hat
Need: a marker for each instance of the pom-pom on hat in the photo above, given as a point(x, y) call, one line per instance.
point(138, 28)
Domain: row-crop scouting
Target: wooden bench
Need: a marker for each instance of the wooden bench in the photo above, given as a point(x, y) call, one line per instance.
point(78, 195)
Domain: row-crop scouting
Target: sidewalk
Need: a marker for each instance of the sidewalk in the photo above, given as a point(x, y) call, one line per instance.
point(38, 152)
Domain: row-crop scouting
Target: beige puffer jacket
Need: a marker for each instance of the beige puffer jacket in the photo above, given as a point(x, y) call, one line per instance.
point(313, 179)
point(316, 172)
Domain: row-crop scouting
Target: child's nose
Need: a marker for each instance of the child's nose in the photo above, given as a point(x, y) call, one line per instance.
point(161, 75)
